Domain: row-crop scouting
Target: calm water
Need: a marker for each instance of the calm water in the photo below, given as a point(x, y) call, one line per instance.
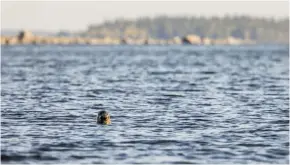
point(168, 104)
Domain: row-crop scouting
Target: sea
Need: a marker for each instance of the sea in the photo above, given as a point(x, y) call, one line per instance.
point(171, 104)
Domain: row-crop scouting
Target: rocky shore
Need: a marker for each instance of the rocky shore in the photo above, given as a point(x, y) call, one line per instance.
point(26, 37)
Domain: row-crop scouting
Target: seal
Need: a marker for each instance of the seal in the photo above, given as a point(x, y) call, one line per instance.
point(103, 118)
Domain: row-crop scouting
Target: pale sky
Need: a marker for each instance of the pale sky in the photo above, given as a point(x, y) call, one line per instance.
point(77, 15)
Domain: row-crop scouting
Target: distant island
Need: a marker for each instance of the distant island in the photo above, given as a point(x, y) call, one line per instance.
point(232, 30)
point(261, 30)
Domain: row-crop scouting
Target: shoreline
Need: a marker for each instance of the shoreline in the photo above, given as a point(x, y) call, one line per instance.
point(27, 38)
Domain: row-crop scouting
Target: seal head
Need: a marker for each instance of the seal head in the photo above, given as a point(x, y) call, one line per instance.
point(103, 118)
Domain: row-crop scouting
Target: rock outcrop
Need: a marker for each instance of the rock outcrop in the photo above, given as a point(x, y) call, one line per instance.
point(25, 37)
point(192, 39)
point(206, 41)
point(3, 40)
point(12, 41)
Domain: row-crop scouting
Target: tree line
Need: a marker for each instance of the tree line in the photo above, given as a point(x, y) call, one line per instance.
point(261, 30)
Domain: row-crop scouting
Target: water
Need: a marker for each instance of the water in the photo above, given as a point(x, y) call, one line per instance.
point(168, 104)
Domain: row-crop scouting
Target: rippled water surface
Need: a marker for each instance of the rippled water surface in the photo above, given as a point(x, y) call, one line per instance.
point(168, 104)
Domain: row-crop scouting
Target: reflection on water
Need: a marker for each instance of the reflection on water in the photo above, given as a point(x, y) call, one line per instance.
point(168, 104)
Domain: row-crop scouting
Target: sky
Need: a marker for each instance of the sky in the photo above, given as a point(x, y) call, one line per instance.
point(77, 15)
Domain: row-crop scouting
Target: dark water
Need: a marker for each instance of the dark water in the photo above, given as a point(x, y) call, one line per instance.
point(168, 104)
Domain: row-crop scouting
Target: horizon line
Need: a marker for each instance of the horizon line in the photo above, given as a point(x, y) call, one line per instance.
point(268, 18)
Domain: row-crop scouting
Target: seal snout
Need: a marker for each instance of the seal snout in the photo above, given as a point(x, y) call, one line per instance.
point(103, 118)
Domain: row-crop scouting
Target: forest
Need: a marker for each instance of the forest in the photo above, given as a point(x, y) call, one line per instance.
point(261, 30)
